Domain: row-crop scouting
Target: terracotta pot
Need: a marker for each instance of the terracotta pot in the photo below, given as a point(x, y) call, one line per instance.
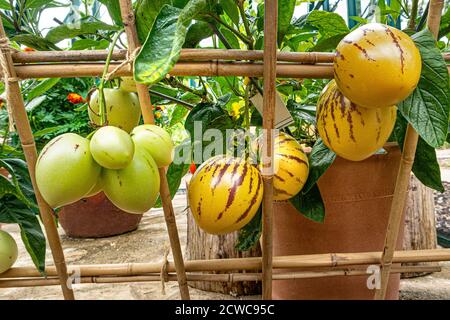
point(357, 198)
point(96, 217)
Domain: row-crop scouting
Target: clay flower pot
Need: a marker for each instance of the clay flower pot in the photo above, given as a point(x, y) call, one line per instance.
point(357, 198)
point(96, 217)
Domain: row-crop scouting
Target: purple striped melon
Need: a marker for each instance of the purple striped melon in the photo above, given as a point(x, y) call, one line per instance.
point(225, 194)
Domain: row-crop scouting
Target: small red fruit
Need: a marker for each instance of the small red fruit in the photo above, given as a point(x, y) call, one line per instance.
point(192, 168)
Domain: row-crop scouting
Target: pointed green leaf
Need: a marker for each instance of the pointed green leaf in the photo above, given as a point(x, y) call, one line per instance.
point(427, 108)
point(162, 47)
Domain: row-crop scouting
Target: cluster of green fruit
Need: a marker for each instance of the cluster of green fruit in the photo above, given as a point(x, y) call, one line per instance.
point(121, 164)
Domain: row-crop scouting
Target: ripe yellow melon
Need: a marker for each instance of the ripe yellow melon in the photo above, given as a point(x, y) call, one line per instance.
point(225, 194)
point(291, 167)
point(377, 66)
point(352, 132)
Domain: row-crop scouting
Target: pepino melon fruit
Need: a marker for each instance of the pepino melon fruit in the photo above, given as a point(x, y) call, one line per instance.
point(352, 132)
point(225, 194)
point(8, 251)
point(377, 66)
point(122, 108)
point(66, 170)
point(112, 147)
point(156, 141)
point(135, 188)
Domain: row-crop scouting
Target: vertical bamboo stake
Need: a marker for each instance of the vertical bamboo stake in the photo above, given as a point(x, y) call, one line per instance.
point(270, 65)
point(400, 192)
point(14, 98)
point(128, 18)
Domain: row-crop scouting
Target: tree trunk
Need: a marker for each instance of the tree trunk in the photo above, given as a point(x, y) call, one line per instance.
point(420, 225)
point(201, 245)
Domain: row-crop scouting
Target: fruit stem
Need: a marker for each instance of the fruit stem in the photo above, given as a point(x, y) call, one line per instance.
point(101, 96)
point(247, 118)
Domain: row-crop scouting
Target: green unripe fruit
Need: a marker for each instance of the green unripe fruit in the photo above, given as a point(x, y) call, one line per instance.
point(66, 170)
point(112, 147)
point(135, 188)
point(156, 141)
point(8, 251)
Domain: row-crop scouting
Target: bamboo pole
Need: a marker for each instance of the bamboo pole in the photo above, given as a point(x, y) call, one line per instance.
point(126, 8)
point(269, 73)
point(325, 261)
point(403, 177)
point(208, 68)
point(14, 98)
point(230, 277)
point(186, 55)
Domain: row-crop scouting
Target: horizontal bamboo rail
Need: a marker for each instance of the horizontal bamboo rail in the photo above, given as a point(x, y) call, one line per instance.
point(328, 260)
point(186, 55)
point(208, 68)
point(230, 277)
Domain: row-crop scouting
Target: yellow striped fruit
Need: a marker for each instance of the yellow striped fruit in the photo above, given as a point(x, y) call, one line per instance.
point(66, 170)
point(8, 251)
point(122, 108)
point(291, 167)
point(225, 194)
point(377, 66)
point(135, 188)
point(352, 132)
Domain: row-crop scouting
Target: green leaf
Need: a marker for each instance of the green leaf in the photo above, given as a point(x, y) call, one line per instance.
point(146, 12)
point(13, 210)
point(285, 13)
point(310, 204)
point(444, 28)
point(427, 108)
point(162, 48)
point(210, 116)
point(231, 38)
point(113, 7)
point(426, 166)
point(90, 43)
point(320, 159)
point(35, 4)
point(177, 169)
point(196, 33)
point(72, 30)
point(4, 4)
point(42, 88)
point(178, 114)
point(231, 9)
point(35, 42)
point(12, 187)
point(331, 26)
point(249, 235)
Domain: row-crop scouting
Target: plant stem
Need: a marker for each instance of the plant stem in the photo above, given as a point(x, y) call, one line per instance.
point(173, 82)
point(413, 14)
point(220, 35)
point(423, 19)
point(236, 33)
point(246, 24)
point(101, 96)
point(178, 101)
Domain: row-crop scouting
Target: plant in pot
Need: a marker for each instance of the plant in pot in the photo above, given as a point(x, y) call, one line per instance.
point(355, 195)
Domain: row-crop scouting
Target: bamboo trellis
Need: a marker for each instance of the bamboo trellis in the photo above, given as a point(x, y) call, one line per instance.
point(210, 63)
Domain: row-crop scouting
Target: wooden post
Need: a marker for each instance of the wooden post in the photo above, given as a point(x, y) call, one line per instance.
point(269, 73)
point(128, 19)
point(14, 99)
point(401, 187)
